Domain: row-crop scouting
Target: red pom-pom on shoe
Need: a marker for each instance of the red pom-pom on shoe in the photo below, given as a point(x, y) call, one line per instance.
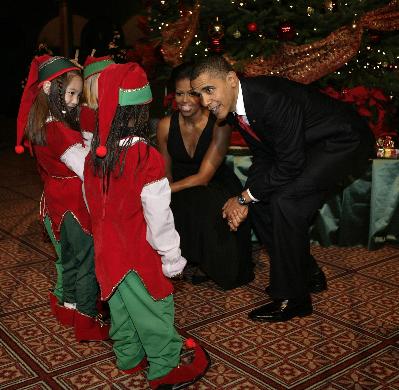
point(19, 149)
point(190, 343)
point(101, 151)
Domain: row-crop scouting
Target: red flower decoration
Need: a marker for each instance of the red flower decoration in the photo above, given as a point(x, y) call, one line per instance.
point(370, 103)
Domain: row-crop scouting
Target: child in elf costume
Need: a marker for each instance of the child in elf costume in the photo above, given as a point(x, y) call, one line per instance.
point(88, 117)
point(92, 68)
point(48, 121)
point(137, 247)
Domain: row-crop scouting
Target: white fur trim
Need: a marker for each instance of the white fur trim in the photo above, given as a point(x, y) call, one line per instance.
point(74, 158)
point(87, 137)
point(161, 232)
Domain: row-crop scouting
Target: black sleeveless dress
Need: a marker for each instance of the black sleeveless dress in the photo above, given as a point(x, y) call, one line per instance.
point(206, 240)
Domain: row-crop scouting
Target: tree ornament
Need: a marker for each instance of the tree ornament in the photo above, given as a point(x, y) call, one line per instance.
point(330, 6)
point(286, 31)
point(310, 10)
point(216, 29)
point(237, 34)
point(216, 45)
point(252, 27)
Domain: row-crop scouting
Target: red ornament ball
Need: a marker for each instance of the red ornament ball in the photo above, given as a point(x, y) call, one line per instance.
point(190, 343)
point(286, 31)
point(19, 149)
point(101, 151)
point(216, 46)
point(252, 27)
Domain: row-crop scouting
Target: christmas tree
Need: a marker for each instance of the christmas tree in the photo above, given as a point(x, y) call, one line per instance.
point(340, 44)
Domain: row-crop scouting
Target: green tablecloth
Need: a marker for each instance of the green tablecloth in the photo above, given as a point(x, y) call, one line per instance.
point(365, 212)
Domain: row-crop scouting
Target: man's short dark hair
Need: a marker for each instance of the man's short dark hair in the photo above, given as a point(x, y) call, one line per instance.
point(216, 65)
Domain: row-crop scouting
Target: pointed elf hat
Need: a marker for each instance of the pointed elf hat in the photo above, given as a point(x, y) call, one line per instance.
point(43, 68)
point(95, 65)
point(119, 84)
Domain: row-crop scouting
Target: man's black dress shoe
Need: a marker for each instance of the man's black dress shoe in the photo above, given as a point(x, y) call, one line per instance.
point(282, 310)
point(317, 283)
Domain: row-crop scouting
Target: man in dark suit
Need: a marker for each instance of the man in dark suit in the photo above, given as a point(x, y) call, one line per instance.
point(303, 143)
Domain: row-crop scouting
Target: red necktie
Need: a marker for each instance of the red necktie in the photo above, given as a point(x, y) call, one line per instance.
point(245, 126)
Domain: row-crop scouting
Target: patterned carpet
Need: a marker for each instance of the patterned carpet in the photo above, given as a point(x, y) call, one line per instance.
point(350, 342)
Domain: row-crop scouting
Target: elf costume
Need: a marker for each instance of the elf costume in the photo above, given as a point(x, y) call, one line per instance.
point(135, 241)
point(88, 117)
point(60, 163)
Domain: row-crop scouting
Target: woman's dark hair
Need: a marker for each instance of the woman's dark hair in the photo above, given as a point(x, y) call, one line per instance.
point(52, 105)
point(128, 122)
point(181, 72)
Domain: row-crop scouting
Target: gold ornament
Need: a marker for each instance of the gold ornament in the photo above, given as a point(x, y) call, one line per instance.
point(310, 11)
point(216, 30)
point(237, 34)
point(330, 5)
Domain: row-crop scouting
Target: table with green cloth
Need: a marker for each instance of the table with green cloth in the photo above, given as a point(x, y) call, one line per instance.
point(362, 212)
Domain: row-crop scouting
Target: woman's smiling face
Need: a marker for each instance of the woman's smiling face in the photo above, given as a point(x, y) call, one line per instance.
point(188, 102)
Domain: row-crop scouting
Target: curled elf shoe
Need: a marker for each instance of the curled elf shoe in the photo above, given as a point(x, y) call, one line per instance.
point(185, 374)
point(143, 364)
point(53, 303)
point(90, 328)
point(65, 315)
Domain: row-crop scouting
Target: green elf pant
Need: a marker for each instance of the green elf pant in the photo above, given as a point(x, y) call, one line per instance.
point(142, 326)
point(79, 281)
point(58, 265)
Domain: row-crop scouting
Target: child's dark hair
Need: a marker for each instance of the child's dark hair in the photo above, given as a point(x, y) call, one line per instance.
point(53, 106)
point(129, 121)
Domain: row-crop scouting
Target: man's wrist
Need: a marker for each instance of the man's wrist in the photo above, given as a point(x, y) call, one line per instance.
point(243, 199)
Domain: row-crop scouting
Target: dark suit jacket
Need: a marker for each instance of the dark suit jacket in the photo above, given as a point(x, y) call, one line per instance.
point(291, 119)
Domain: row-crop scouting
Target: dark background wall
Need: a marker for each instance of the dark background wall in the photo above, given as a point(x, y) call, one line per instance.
point(21, 23)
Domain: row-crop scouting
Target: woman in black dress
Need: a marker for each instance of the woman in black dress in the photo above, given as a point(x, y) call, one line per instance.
point(194, 148)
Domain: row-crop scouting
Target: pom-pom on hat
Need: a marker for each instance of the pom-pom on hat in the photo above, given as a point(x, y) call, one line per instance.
point(43, 68)
point(95, 65)
point(119, 84)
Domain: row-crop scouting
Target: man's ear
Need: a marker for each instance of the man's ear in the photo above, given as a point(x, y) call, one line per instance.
point(46, 87)
point(232, 79)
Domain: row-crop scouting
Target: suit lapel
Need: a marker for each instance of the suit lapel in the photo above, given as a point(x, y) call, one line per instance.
point(251, 108)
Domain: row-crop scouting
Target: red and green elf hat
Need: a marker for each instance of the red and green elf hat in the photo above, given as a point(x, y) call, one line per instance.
point(95, 65)
point(119, 84)
point(43, 68)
